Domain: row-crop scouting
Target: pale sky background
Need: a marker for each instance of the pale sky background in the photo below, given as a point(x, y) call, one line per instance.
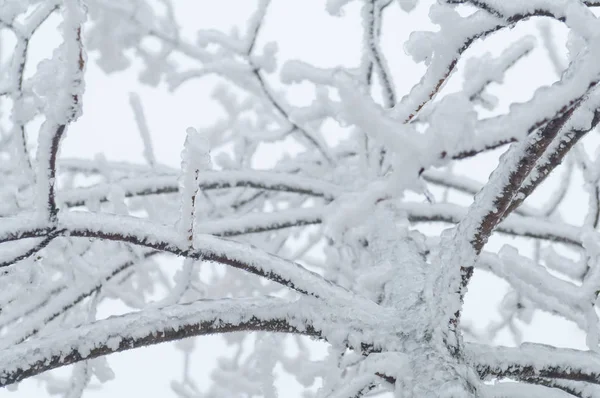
point(302, 30)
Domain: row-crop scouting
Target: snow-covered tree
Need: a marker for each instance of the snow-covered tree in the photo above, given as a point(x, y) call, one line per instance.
point(366, 236)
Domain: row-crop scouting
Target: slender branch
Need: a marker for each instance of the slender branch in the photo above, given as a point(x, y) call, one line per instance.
point(261, 222)
point(62, 301)
point(294, 126)
point(143, 186)
point(142, 124)
point(68, 108)
point(372, 33)
point(271, 98)
point(479, 4)
point(30, 252)
point(23, 35)
point(469, 153)
point(489, 8)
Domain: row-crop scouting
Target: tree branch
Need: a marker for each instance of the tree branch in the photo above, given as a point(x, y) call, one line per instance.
point(372, 32)
point(61, 301)
point(442, 66)
point(206, 247)
point(155, 185)
point(67, 109)
point(534, 360)
point(148, 327)
point(557, 153)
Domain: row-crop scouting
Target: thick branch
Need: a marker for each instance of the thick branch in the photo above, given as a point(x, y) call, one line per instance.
point(534, 149)
point(534, 360)
point(148, 327)
point(551, 161)
point(581, 389)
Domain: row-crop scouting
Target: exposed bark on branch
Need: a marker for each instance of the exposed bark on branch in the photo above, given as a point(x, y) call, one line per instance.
point(148, 327)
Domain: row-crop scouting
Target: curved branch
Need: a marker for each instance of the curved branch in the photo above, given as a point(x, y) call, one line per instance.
point(23, 35)
point(478, 26)
point(206, 247)
point(66, 111)
point(148, 327)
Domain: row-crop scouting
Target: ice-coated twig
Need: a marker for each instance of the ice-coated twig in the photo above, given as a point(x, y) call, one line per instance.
point(548, 40)
point(64, 105)
point(372, 16)
point(254, 223)
point(540, 287)
point(486, 70)
point(442, 55)
point(140, 119)
point(58, 302)
point(195, 158)
point(14, 83)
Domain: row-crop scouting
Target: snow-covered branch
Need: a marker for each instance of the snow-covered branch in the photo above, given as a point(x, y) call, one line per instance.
point(535, 360)
point(150, 326)
point(64, 96)
point(209, 180)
